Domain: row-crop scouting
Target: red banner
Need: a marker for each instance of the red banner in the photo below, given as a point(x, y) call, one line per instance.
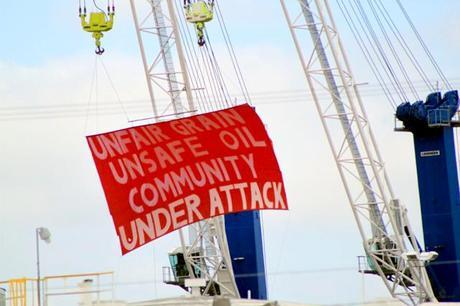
point(160, 177)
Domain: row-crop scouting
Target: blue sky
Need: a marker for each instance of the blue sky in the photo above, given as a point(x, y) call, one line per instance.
point(41, 31)
point(49, 178)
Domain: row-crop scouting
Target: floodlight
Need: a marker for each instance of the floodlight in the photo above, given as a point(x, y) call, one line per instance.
point(41, 233)
point(44, 234)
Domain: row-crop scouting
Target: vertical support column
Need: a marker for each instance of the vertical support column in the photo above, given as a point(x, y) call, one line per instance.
point(440, 205)
point(180, 53)
point(244, 235)
point(144, 56)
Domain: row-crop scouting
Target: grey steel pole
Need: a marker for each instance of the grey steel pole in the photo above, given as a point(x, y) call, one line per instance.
point(38, 267)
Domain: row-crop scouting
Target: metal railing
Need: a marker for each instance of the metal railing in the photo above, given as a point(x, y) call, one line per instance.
point(439, 117)
point(67, 289)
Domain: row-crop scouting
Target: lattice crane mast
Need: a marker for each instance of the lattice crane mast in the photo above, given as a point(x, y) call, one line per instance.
point(388, 239)
point(206, 255)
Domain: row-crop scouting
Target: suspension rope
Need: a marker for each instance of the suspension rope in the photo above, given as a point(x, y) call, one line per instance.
point(404, 44)
point(114, 90)
point(196, 66)
point(424, 46)
point(94, 93)
point(195, 79)
point(216, 71)
point(90, 95)
point(80, 11)
point(393, 51)
point(384, 47)
point(95, 4)
point(213, 88)
point(205, 71)
point(380, 48)
point(232, 54)
point(218, 94)
point(367, 54)
point(397, 89)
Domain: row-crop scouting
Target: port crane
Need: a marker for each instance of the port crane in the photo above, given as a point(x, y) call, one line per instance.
point(388, 240)
point(206, 255)
point(217, 249)
point(164, 38)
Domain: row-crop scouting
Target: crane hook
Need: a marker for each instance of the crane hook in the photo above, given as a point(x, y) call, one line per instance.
point(98, 23)
point(199, 13)
point(99, 50)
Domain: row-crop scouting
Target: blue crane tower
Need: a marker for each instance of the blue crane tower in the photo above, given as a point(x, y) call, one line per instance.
point(244, 236)
point(432, 125)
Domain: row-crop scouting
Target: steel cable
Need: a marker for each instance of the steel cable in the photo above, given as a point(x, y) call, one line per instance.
point(380, 48)
point(367, 54)
point(376, 55)
point(191, 64)
point(393, 51)
point(404, 44)
point(424, 46)
point(233, 57)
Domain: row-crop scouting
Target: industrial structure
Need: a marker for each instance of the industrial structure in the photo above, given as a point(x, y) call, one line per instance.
point(432, 125)
point(390, 244)
point(223, 257)
point(216, 250)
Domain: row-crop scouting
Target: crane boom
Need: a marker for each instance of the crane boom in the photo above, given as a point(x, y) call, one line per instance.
point(381, 220)
point(167, 80)
point(378, 228)
point(212, 261)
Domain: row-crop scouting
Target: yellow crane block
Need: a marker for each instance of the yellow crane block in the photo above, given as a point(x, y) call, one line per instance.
point(98, 23)
point(199, 13)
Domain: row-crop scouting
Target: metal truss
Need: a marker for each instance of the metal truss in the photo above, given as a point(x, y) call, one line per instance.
point(158, 53)
point(159, 41)
point(209, 254)
point(388, 240)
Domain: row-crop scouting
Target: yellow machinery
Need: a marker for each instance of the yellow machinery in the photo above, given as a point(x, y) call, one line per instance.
point(98, 23)
point(198, 13)
point(18, 291)
point(23, 291)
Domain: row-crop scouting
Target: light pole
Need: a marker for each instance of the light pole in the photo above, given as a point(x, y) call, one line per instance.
point(44, 234)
